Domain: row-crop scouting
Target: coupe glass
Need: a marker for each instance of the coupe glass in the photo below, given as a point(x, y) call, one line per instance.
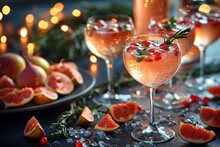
point(105, 36)
point(207, 25)
point(169, 99)
point(152, 66)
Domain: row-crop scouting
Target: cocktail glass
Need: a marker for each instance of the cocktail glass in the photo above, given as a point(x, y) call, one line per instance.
point(206, 18)
point(105, 37)
point(169, 99)
point(152, 66)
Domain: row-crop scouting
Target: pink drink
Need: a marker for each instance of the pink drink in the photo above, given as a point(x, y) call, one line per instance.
point(106, 39)
point(156, 66)
point(207, 28)
point(157, 26)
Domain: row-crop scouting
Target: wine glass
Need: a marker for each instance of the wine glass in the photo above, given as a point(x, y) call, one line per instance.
point(105, 36)
point(169, 99)
point(151, 65)
point(206, 18)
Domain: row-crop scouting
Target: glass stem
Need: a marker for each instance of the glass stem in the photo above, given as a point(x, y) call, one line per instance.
point(109, 65)
point(170, 84)
point(202, 60)
point(152, 96)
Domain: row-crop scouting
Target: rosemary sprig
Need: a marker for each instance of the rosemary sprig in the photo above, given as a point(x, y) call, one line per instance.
point(68, 118)
point(178, 35)
point(171, 23)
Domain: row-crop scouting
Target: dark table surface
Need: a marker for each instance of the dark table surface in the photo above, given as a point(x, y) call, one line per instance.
point(12, 124)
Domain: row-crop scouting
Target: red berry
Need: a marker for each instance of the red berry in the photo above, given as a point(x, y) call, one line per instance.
point(148, 59)
point(78, 143)
point(152, 50)
point(119, 28)
point(157, 56)
point(164, 46)
point(43, 140)
point(186, 103)
point(176, 52)
point(206, 100)
point(198, 24)
point(139, 108)
point(194, 98)
point(145, 43)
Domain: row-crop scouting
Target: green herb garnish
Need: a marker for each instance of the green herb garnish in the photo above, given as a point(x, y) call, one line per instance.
point(178, 35)
point(67, 118)
point(171, 23)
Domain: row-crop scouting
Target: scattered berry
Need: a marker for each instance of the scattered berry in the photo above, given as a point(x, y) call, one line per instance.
point(157, 56)
point(194, 98)
point(164, 46)
point(43, 140)
point(206, 100)
point(145, 43)
point(139, 108)
point(186, 103)
point(78, 143)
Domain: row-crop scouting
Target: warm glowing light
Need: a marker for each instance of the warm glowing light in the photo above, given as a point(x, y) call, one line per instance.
point(3, 39)
point(54, 19)
point(94, 68)
point(114, 20)
point(64, 28)
point(59, 6)
point(30, 49)
point(205, 8)
point(3, 47)
point(93, 59)
point(6, 10)
point(53, 11)
point(1, 15)
point(76, 13)
point(43, 24)
point(29, 18)
point(23, 32)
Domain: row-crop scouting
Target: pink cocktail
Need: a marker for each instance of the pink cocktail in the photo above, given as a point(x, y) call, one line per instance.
point(151, 62)
point(105, 36)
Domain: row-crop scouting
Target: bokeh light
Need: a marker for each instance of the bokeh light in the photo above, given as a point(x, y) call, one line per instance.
point(6, 10)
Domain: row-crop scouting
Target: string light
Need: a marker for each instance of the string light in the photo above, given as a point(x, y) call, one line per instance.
point(54, 19)
point(64, 28)
point(3, 39)
point(23, 32)
point(76, 13)
point(93, 59)
point(43, 24)
point(59, 7)
point(1, 15)
point(6, 10)
point(29, 18)
point(30, 49)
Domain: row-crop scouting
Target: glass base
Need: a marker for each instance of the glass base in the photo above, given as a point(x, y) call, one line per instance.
point(170, 100)
point(108, 99)
point(153, 134)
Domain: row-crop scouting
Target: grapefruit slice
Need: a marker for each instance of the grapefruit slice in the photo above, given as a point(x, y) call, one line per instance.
point(33, 129)
point(5, 91)
point(123, 112)
point(214, 90)
point(18, 98)
point(86, 117)
point(43, 95)
point(59, 83)
point(210, 116)
point(6, 81)
point(106, 124)
point(195, 134)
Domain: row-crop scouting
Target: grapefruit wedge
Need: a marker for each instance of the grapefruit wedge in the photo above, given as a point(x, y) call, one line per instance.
point(123, 112)
point(195, 134)
point(18, 97)
point(106, 124)
point(43, 95)
point(86, 117)
point(33, 129)
point(214, 90)
point(210, 116)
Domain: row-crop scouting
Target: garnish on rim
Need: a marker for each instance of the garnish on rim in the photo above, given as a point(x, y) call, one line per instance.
point(170, 24)
point(178, 35)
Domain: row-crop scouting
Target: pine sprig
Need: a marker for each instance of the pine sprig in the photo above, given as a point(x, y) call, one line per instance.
point(178, 35)
point(171, 23)
point(68, 118)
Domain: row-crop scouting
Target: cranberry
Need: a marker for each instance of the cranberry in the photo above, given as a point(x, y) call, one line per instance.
point(139, 108)
point(119, 28)
point(43, 140)
point(206, 100)
point(194, 98)
point(131, 48)
point(164, 46)
point(148, 59)
point(157, 56)
point(78, 143)
point(176, 52)
point(186, 103)
point(198, 24)
point(145, 43)
point(152, 50)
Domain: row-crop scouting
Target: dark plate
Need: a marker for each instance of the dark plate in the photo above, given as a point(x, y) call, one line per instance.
point(89, 82)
